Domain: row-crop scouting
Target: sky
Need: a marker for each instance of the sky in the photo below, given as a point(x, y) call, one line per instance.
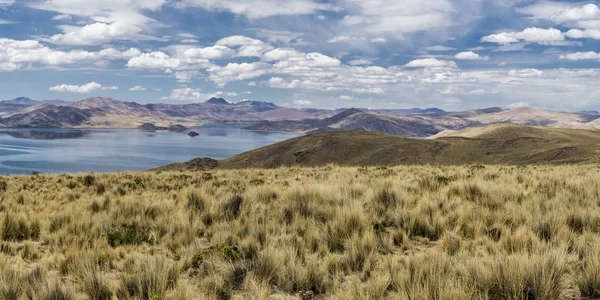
point(450, 54)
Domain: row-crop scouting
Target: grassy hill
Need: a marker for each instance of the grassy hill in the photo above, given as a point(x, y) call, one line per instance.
point(408, 232)
point(493, 144)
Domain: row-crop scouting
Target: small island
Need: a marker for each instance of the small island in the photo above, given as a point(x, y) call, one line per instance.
point(193, 134)
point(152, 127)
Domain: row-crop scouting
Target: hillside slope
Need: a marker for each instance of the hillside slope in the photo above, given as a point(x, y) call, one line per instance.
point(494, 144)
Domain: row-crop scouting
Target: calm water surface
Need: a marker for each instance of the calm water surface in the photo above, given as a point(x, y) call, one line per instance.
point(73, 151)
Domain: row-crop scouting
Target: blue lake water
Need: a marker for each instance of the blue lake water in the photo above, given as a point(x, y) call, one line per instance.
point(23, 151)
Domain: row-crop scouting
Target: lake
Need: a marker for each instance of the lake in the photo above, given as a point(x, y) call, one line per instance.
point(23, 151)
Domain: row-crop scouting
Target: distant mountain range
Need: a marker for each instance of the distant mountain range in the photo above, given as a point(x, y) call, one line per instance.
point(415, 122)
point(110, 113)
point(427, 124)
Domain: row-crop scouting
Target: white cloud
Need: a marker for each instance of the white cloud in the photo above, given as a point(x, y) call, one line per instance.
point(525, 73)
point(186, 76)
point(590, 55)
point(62, 18)
point(430, 63)
point(186, 94)
point(449, 78)
point(161, 60)
point(258, 8)
point(189, 41)
point(15, 54)
point(97, 34)
point(345, 39)
point(137, 88)
point(531, 35)
point(302, 102)
point(584, 34)
point(214, 52)
point(439, 48)
point(238, 40)
point(195, 94)
point(518, 104)
point(6, 22)
point(397, 17)
point(247, 47)
point(110, 20)
point(378, 40)
point(360, 62)
point(470, 55)
point(237, 71)
point(572, 14)
point(6, 3)
point(346, 97)
point(83, 89)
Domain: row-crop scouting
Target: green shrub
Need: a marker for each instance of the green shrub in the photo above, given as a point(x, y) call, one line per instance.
point(231, 253)
point(129, 234)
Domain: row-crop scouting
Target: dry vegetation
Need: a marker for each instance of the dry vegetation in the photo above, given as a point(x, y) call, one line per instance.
point(479, 232)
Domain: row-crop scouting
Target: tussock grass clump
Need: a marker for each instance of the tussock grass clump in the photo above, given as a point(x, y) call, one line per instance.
point(149, 280)
point(18, 229)
point(228, 252)
point(426, 232)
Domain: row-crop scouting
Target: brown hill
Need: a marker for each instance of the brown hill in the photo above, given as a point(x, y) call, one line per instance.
point(495, 144)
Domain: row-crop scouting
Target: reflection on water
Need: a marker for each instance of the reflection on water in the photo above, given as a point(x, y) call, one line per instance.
point(69, 151)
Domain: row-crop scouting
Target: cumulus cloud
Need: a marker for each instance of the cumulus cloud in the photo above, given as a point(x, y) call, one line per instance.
point(345, 39)
point(62, 18)
point(137, 88)
point(186, 76)
point(258, 8)
point(573, 14)
point(246, 47)
point(518, 104)
point(430, 63)
point(590, 55)
point(83, 89)
point(439, 48)
point(18, 54)
point(525, 73)
point(360, 62)
point(98, 34)
point(195, 94)
point(470, 55)
point(237, 71)
point(531, 35)
point(584, 34)
point(302, 102)
point(110, 20)
point(214, 52)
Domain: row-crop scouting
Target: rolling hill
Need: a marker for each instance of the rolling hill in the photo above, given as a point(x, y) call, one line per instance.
point(493, 144)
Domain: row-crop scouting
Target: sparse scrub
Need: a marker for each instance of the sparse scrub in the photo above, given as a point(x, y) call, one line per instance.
point(433, 232)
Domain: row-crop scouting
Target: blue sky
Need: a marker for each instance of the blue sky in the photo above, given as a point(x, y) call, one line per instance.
point(452, 54)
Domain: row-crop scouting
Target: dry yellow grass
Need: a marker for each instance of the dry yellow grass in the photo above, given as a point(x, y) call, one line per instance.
point(473, 232)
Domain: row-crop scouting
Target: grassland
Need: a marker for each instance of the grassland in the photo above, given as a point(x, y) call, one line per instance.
point(473, 232)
